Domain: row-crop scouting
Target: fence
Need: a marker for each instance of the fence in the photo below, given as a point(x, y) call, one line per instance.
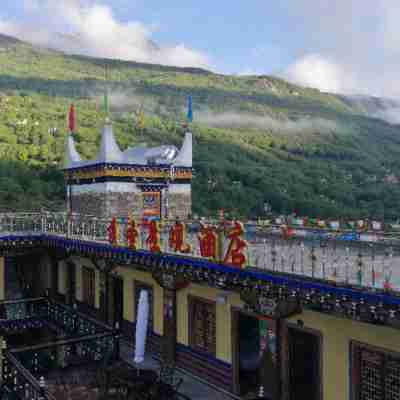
point(362, 259)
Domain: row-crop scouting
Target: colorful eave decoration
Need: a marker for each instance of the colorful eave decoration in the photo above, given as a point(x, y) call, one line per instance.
point(127, 171)
point(373, 306)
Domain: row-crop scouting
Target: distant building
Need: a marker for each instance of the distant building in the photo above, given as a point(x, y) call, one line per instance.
point(140, 181)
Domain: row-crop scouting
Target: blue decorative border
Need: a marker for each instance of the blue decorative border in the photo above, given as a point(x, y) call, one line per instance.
point(146, 258)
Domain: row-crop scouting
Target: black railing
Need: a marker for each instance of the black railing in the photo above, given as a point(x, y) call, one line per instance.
point(43, 358)
point(81, 340)
point(20, 381)
point(13, 310)
point(72, 321)
point(34, 312)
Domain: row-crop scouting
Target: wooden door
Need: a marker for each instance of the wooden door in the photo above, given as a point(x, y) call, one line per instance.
point(304, 365)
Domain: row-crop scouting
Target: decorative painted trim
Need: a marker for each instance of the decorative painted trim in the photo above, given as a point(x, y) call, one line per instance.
point(127, 170)
point(107, 179)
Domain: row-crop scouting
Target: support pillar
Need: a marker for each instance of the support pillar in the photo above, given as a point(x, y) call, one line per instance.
point(2, 279)
point(70, 296)
point(53, 278)
point(104, 295)
point(171, 284)
point(111, 319)
point(168, 348)
point(284, 357)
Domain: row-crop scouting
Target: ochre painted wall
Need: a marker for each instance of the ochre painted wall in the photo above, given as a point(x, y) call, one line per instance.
point(337, 334)
point(223, 318)
point(129, 275)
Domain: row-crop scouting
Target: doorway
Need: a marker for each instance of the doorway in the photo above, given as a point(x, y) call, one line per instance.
point(245, 352)
point(249, 353)
point(304, 364)
point(118, 285)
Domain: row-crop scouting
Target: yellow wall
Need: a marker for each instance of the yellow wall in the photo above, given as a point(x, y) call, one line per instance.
point(129, 275)
point(223, 318)
point(337, 334)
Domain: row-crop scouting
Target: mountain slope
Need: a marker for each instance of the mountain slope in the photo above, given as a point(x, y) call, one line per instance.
point(258, 139)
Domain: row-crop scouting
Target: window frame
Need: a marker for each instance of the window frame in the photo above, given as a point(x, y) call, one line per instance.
point(192, 300)
point(355, 371)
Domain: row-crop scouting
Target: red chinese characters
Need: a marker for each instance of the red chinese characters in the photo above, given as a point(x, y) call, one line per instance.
point(177, 238)
point(153, 238)
point(208, 239)
point(113, 232)
point(235, 254)
point(132, 234)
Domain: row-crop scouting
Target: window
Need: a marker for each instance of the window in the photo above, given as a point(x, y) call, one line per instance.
point(202, 324)
point(375, 373)
point(88, 286)
point(139, 286)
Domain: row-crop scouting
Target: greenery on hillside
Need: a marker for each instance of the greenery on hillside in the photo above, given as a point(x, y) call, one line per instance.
point(338, 166)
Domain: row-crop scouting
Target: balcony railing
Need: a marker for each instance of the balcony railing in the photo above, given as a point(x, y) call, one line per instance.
point(43, 358)
point(79, 340)
point(35, 312)
point(19, 380)
point(367, 259)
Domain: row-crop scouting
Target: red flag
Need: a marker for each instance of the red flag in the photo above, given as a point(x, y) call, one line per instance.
point(71, 119)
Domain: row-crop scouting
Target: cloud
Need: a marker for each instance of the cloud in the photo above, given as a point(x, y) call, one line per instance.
point(315, 71)
point(90, 28)
point(244, 120)
point(391, 115)
point(346, 46)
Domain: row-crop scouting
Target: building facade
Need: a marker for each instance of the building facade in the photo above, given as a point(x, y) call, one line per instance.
point(233, 336)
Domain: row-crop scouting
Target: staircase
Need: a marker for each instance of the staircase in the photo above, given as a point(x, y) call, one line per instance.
point(73, 392)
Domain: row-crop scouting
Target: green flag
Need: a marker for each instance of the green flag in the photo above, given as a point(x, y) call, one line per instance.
point(105, 102)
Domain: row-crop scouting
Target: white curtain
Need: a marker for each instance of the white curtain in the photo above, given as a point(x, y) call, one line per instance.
point(142, 320)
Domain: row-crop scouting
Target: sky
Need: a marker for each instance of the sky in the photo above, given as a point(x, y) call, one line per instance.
point(342, 46)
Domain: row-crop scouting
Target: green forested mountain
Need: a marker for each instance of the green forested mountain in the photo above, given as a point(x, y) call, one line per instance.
point(257, 138)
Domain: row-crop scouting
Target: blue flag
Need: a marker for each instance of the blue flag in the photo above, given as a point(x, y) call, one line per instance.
point(190, 110)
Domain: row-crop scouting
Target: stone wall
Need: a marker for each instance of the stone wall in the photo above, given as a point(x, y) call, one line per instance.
point(89, 204)
point(179, 205)
point(107, 205)
point(105, 200)
point(123, 204)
